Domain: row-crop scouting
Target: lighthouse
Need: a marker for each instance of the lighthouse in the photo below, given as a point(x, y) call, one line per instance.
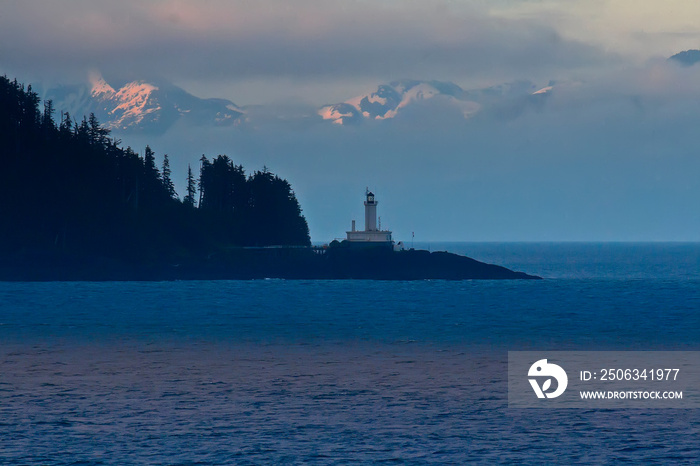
point(370, 212)
point(371, 235)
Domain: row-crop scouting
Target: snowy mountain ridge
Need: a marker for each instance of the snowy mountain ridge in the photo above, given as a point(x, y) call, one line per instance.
point(390, 100)
point(142, 106)
point(155, 106)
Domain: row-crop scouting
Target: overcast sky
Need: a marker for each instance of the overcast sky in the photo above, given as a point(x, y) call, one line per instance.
point(321, 51)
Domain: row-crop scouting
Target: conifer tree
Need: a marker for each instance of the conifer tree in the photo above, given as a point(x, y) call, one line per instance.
point(203, 166)
point(82, 130)
point(66, 127)
point(47, 118)
point(149, 164)
point(152, 188)
point(167, 181)
point(98, 134)
point(191, 188)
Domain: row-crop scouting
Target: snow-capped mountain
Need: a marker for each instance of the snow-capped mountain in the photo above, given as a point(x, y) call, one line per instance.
point(155, 106)
point(390, 100)
point(142, 106)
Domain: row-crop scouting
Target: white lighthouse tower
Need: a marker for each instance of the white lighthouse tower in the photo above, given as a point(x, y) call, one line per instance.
point(371, 235)
point(370, 212)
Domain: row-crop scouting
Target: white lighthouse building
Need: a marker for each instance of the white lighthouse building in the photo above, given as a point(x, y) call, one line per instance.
point(371, 235)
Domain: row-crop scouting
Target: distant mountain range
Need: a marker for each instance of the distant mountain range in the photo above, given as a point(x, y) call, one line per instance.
point(155, 106)
point(142, 106)
point(391, 100)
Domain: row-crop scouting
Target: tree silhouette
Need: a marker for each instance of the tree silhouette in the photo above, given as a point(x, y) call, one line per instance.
point(274, 215)
point(191, 188)
point(222, 185)
point(98, 134)
point(150, 169)
point(203, 165)
point(47, 117)
point(167, 181)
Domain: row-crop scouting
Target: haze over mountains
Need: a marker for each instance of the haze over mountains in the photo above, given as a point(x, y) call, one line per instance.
point(153, 107)
point(687, 57)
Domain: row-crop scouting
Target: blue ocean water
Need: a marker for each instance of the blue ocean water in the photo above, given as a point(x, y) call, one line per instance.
point(340, 372)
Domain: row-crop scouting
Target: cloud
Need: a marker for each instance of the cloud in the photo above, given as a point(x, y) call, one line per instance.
point(307, 39)
point(636, 29)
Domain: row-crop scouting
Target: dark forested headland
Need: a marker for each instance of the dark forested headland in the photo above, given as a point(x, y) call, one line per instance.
point(75, 205)
point(69, 190)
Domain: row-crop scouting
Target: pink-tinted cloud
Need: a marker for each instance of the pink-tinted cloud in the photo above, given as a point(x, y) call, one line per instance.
point(235, 40)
